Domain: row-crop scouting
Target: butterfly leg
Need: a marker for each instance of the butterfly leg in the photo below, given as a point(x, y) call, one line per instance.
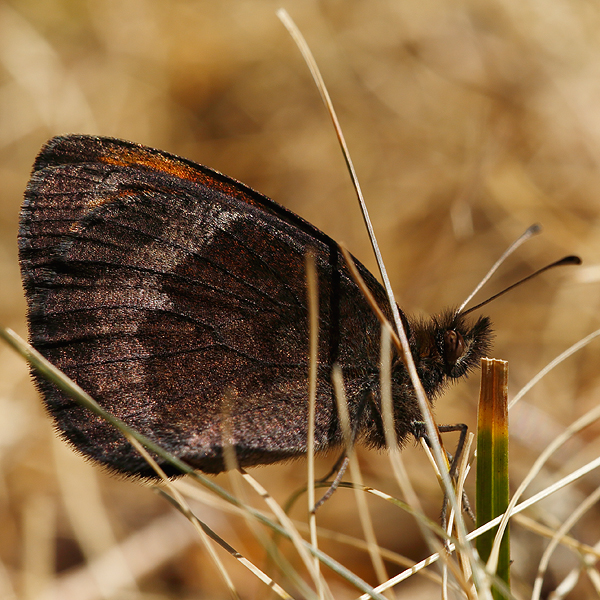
point(341, 464)
point(419, 431)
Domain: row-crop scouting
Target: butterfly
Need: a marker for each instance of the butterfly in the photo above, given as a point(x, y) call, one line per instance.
point(163, 288)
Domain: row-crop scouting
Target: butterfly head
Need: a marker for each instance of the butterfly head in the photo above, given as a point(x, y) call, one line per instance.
point(447, 346)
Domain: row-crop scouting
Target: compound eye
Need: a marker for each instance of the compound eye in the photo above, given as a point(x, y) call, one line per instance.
point(454, 346)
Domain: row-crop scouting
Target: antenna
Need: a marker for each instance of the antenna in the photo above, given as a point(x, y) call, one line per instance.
point(567, 260)
point(528, 234)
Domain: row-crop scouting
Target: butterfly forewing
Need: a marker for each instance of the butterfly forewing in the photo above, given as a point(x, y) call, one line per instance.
point(163, 287)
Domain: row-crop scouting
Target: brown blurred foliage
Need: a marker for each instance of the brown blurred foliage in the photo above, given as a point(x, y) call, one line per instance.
point(467, 122)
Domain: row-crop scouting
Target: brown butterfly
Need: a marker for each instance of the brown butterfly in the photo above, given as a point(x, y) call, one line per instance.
point(161, 286)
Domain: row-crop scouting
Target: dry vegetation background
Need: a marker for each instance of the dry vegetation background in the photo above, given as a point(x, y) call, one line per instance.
point(467, 121)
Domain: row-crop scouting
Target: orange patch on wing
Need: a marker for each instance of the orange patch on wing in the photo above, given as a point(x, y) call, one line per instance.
point(129, 157)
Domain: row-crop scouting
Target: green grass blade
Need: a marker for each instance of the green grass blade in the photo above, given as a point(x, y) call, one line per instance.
point(492, 462)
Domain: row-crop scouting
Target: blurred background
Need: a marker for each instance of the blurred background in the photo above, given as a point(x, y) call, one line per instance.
point(467, 122)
